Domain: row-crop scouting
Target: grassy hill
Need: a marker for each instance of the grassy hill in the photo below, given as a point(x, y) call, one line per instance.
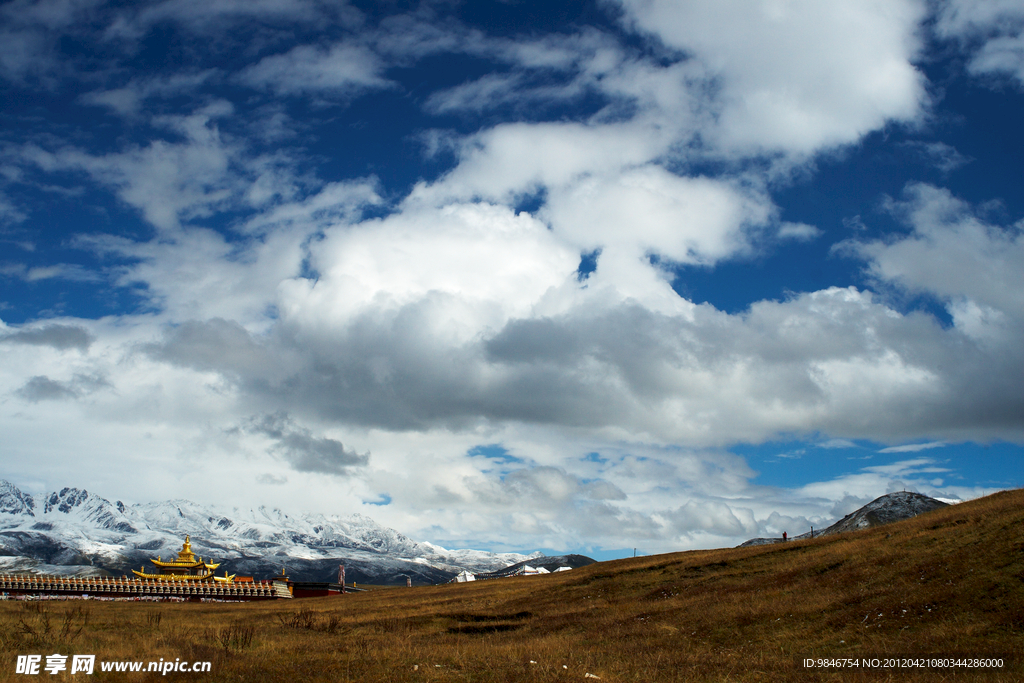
point(947, 582)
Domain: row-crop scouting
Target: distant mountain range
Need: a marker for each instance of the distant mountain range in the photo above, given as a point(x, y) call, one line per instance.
point(75, 532)
point(886, 509)
point(72, 531)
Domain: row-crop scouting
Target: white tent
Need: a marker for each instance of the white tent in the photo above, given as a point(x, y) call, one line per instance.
point(464, 577)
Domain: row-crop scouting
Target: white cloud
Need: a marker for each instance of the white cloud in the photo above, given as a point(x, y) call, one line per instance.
point(167, 181)
point(960, 16)
point(852, 491)
point(334, 203)
point(1001, 55)
point(198, 274)
point(342, 70)
point(51, 14)
point(993, 30)
point(129, 99)
point(487, 92)
point(30, 34)
point(837, 443)
point(800, 232)
point(546, 70)
point(647, 210)
point(62, 271)
point(22, 53)
point(944, 157)
point(952, 254)
point(196, 172)
point(472, 267)
point(219, 20)
point(512, 159)
point(9, 213)
point(914, 447)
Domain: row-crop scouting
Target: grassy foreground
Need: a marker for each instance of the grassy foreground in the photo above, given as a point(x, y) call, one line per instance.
point(948, 582)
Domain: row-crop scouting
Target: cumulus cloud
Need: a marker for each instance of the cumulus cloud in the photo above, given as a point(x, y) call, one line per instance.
point(647, 210)
point(715, 517)
point(796, 77)
point(446, 317)
point(292, 321)
point(421, 356)
point(513, 159)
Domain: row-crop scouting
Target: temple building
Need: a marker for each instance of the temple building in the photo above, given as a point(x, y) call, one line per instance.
point(187, 567)
point(188, 577)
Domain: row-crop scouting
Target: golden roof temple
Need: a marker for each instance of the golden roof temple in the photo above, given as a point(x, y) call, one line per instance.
point(187, 567)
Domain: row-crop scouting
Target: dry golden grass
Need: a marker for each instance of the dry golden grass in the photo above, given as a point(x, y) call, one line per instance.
point(951, 581)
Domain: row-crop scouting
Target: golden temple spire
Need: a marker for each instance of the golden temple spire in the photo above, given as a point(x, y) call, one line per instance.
point(186, 567)
point(186, 554)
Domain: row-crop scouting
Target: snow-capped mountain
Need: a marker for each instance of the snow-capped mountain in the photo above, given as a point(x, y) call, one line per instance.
point(889, 508)
point(892, 507)
point(73, 527)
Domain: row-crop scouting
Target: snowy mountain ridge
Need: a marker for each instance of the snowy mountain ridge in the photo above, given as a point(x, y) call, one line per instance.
point(75, 527)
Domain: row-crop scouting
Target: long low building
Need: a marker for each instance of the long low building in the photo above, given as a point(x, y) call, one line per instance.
point(186, 577)
point(129, 588)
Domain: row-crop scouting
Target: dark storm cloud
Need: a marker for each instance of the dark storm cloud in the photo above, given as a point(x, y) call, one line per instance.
point(216, 344)
point(304, 451)
point(42, 388)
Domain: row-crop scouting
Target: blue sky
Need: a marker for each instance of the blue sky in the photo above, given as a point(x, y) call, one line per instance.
point(581, 276)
